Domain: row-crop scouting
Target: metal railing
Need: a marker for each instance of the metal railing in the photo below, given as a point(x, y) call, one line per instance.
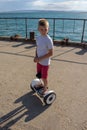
point(60, 28)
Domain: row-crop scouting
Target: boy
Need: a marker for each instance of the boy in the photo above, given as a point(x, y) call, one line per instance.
point(44, 51)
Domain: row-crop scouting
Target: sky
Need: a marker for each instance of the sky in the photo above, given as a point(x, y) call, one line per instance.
point(60, 5)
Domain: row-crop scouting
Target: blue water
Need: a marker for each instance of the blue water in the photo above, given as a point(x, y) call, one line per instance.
point(68, 28)
point(45, 14)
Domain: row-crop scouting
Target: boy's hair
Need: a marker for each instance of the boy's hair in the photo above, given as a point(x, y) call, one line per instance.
point(43, 22)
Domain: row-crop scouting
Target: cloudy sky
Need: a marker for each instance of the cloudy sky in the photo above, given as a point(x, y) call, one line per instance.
point(62, 5)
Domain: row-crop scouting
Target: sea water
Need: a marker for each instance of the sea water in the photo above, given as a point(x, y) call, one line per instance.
point(71, 29)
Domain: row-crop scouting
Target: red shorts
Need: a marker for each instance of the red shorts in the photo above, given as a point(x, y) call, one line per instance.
point(43, 70)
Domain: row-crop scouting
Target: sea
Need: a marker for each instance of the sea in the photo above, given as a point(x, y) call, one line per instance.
point(67, 24)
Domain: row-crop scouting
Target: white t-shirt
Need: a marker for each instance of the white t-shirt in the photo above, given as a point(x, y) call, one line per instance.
point(44, 44)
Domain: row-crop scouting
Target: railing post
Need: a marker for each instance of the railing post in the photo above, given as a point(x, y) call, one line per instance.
point(83, 31)
point(53, 29)
point(26, 26)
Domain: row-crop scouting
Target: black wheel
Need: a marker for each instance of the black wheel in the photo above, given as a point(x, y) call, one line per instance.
point(32, 88)
point(49, 98)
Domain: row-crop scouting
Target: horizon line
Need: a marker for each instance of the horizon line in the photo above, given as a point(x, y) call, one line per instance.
point(13, 11)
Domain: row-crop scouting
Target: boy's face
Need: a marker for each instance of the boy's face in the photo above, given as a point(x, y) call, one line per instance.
point(43, 30)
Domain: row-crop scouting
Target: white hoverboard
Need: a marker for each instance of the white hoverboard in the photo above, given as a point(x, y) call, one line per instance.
point(48, 97)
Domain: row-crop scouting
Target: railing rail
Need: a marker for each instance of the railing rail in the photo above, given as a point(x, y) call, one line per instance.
point(74, 29)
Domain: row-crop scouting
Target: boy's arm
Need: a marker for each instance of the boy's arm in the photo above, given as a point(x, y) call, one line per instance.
point(36, 57)
point(49, 54)
point(36, 53)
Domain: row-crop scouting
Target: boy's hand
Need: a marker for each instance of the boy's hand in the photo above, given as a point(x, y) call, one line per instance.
point(49, 54)
point(36, 59)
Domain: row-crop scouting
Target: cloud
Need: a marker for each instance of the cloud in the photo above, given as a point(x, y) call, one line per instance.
point(79, 5)
point(35, 4)
point(6, 0)
point(12, 5)
point(63, 5)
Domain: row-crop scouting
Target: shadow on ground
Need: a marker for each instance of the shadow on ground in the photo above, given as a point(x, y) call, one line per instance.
point(82, 52)
point(24, 43)
point(31, 107)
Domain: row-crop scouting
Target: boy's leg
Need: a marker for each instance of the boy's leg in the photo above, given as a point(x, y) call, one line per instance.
point(38, 68)
point(44, 73)
point(39, 75)
point(45, 81)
